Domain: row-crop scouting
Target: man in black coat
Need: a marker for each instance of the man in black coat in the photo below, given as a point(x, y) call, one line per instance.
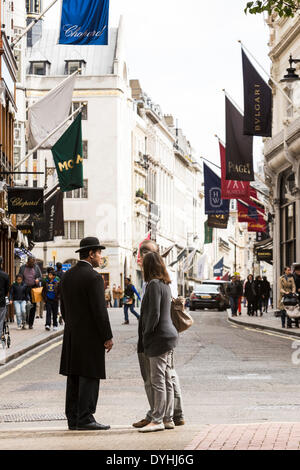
point(4, 289)
point(86, 337)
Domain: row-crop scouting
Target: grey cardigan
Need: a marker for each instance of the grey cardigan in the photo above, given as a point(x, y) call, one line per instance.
point(157, 334)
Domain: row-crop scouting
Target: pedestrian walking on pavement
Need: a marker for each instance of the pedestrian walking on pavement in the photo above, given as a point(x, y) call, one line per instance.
point(4, 290)
point(258, 287)
point(32, 277)
point(129, 300)
point(249, 294)
point(287, 286)
point(50, 297)
point(266, 289)
point(296, 276)
point(234, 291)
point(150, 246)
point(157, 339)
point(18, 296)
point(238, 279)
point(59, 272)
point(87, 336)
point(115, 294)
point(120, 296)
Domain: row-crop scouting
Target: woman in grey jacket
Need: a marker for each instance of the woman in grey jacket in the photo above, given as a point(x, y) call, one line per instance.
point(157, 338)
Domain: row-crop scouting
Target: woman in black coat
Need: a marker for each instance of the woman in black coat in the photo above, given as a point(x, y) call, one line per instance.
point(157, 339)
point(250, 294)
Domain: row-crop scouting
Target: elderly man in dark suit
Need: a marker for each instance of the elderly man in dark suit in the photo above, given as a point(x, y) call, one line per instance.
point(86, 337)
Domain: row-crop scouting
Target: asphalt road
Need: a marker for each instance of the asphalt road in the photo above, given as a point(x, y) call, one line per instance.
point(228, 374)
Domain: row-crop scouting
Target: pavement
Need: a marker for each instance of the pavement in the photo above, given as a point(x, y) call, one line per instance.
point(266, 322)
point(23, 341)
point(240, 388)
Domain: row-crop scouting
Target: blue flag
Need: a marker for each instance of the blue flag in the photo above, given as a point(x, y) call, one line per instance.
point(214, 204)
point(84, 22)
point(218, 268)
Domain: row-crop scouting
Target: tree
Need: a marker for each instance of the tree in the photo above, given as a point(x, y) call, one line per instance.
point(284, 8)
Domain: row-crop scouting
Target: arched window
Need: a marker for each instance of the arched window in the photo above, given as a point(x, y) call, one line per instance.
point(287, 219)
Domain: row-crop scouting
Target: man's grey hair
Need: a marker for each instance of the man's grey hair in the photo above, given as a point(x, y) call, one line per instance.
point(148, 246)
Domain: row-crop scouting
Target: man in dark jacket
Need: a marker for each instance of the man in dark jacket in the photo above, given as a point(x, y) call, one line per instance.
point(86, 337)
point(234, 291)
point(266, 289)
point(4, 289)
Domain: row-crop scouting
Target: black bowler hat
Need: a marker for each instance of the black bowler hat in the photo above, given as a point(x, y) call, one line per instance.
point(90, 243)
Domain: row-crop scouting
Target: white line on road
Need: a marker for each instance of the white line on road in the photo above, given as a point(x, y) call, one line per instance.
point(31, 359)
point(249, 377)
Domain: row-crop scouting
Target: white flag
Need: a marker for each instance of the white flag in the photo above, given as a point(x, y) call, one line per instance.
point(201, 266)
point(189, 261)
point(48, 113)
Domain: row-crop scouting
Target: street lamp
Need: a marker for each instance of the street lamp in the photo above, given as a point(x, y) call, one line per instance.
point(291, 75)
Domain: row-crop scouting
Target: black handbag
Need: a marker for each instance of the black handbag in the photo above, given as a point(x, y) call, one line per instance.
point(290, 300)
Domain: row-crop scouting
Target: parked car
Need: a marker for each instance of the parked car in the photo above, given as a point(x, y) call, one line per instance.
point(223, 287)
point(208, 296)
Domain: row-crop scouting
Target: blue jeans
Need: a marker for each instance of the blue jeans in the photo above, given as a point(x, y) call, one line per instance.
point(234, 302)
point(131, 308)
point(20, 311)
point(116, 303)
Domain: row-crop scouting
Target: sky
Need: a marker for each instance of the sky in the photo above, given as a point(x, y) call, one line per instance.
point(185, 53)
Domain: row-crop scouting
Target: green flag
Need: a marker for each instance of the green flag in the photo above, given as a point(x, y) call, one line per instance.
point(208, 233)
point(67, 154)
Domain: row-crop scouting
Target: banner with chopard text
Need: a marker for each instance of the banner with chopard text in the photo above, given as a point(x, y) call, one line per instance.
point(25, 200)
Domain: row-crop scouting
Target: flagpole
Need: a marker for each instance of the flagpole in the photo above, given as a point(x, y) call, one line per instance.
point(57, 86)
point(232, 101)
point(268, 75)
point(29, 27)
point(48, 136)
point(220, 140)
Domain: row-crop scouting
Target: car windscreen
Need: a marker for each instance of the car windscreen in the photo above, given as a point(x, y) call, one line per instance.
point(207, 288)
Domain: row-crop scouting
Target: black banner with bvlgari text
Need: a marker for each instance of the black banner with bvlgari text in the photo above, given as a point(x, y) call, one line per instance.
point(239, 147)
point(25, 200)
point(257, 102)
point(27, 230)
point(218, 220)
point(51, 224)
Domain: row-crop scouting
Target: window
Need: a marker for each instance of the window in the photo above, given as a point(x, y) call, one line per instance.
point(287, 219)
point(74, 230)
point(39, 68)
point(76, 105)
point(33, 6)
point(72, 66)
point(80, 193)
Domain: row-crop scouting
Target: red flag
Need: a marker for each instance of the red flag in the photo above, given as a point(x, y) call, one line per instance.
point(259, 225)
point(231, 189)
point(251, 210)
point(226, 277)
point(147, 237)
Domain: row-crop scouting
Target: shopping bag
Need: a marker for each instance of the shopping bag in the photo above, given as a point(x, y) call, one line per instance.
point(36, 294)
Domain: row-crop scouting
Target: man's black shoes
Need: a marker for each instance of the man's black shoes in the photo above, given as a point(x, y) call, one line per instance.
point(93, 427)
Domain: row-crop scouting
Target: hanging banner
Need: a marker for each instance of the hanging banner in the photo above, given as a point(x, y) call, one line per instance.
point(231, 189)
point(239, 147)
point(213, 200)
point(84, 22)
point(27, 230)
point(52, 223)
point(201, 266)
point(218, 268)
point(257, 102)
point(258, 225)
point(25, 200)
point(252, 209)
point(265, 255)
point(208, 234)
point(218, 221)
point(67, 155)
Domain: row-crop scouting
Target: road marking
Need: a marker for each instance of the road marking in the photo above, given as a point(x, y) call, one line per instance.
point(249, 377)
point(31, 359)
